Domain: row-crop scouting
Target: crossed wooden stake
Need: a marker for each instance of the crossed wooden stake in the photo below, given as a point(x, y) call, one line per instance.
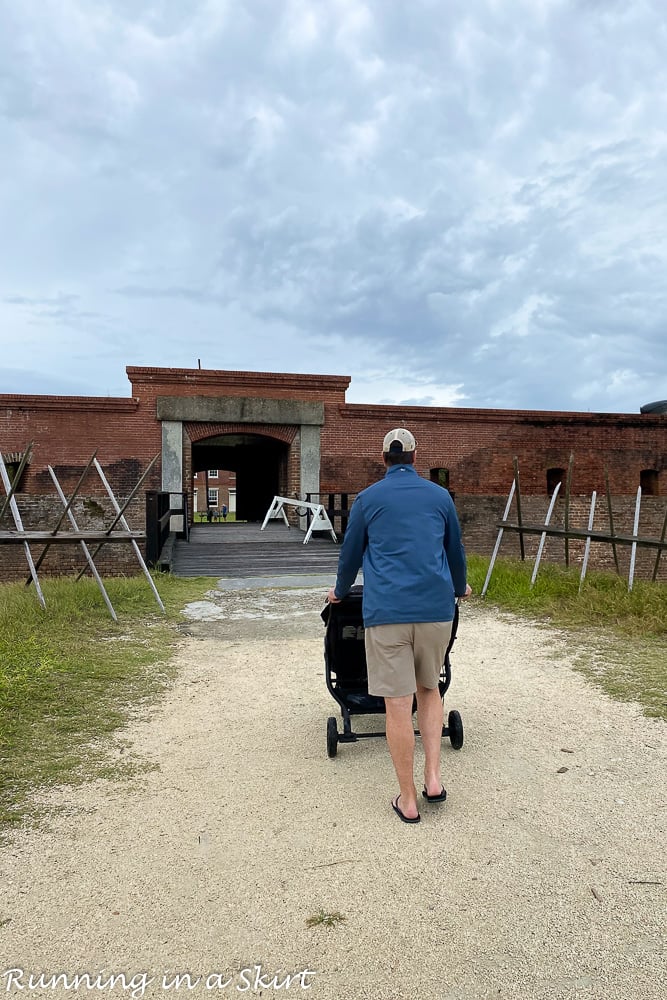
point(75, 536)
point(567, 532)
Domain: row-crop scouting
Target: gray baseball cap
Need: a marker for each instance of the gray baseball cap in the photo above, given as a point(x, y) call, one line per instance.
point(402, 438)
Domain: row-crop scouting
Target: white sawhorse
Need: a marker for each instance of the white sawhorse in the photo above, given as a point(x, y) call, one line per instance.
point(320, 521)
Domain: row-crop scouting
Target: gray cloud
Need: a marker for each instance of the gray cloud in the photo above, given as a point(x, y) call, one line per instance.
point(474, 191)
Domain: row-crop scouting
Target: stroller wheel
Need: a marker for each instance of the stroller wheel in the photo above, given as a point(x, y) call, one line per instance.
point(332, 736)
point(455, 726)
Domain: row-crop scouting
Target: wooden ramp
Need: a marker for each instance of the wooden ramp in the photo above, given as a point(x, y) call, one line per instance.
point(243, 550)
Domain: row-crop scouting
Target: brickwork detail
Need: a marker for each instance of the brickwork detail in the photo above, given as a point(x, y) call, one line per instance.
point(476, 446)
point(91, 513)
point(199, 432)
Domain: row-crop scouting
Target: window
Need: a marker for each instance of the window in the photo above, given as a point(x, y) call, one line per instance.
point(554, 477)
point(12, 469)
point(212, 473)
point(12, 464)
point(213, 497)
point(441, 477)
point(648, 480)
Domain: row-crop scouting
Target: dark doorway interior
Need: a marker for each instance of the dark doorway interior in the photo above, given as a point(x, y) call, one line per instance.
point(260, 464)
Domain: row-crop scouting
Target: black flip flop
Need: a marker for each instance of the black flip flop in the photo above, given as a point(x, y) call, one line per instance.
point(440, 797)
point(401, 815)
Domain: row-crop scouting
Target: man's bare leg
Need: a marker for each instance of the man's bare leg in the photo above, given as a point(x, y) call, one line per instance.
point(401, 740)
point(430, 717)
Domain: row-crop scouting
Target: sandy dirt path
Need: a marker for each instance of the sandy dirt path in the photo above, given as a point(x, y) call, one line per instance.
point(543, 876)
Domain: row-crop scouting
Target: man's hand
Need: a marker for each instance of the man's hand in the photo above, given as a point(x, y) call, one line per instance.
point(464, 597)
point(331, 597)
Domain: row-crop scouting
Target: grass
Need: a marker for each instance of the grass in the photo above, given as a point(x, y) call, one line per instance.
point(200, 517)
point(70, 677)
point(324, 919)
point(624, 633)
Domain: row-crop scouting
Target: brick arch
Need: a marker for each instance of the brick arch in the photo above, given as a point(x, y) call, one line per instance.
point(200, 431)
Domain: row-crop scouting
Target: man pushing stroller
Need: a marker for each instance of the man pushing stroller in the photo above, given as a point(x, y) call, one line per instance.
point(405, 533)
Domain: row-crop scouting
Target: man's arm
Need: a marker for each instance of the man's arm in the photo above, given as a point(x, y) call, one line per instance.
point(351, 553)
point(455, 553)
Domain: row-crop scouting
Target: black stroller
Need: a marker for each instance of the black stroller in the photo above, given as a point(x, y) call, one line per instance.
point(345, 667)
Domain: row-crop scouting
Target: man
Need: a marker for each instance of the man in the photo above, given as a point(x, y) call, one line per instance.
point(405, 533)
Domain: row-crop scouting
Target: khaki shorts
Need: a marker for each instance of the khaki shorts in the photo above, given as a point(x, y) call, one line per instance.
point(399, 657)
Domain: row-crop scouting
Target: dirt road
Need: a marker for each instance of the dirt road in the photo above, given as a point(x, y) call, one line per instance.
point(542, 876)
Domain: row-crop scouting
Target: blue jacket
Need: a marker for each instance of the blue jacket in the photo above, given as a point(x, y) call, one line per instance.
point(405, 533)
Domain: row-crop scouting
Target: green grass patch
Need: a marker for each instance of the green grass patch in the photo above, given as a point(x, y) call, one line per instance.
point(70, 677)
point(201, 517)
point(324, 919)
point(623, 633)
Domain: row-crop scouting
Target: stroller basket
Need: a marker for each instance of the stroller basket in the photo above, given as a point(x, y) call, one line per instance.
point(347, 679)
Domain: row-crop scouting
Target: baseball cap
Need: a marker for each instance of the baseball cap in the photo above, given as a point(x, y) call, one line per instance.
point(400, 439)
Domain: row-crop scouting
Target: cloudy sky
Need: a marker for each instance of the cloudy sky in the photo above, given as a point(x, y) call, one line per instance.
point(456, 202)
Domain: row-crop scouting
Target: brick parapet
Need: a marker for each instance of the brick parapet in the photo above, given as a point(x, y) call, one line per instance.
point(149, 383)
point(69, 403)
point(479, 453)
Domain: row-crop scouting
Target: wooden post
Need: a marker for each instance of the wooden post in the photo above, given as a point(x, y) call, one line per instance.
point(522, 548)
point(120, 511)
point(657, 558)
point(17, 478)
point(499, 538)
point(13, 506)
point(84, 547)
point(68, 504)
point(587, 548)
point(611, 522)
point(544, 534)
point(633, 550)
point(566, 515)
point(121, 517)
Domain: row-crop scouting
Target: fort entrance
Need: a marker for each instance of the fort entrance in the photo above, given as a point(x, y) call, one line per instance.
point(260, 463)
point(272, 445)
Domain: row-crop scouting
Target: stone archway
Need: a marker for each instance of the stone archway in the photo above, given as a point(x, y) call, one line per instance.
point(280, 419)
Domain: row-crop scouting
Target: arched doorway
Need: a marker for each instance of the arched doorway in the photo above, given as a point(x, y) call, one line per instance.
point(260, 465)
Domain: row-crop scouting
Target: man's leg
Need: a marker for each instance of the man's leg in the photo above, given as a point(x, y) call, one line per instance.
point(401, 740)
point(430, 717)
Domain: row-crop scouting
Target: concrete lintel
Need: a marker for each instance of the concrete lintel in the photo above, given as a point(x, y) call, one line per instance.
point(238, 410)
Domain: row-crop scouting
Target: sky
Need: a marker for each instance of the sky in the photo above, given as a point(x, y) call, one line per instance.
point(454, 203)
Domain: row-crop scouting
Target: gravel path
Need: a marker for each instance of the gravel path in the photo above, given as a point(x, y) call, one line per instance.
point(543, 876)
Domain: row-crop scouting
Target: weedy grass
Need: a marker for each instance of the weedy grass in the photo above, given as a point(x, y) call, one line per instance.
point(624, 632)
point(70, 677)
point(324, 919)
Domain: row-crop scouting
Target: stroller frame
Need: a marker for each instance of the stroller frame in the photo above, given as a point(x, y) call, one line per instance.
point(346, 676)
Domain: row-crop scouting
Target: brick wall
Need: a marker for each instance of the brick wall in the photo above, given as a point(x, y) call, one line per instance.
point(479, 516)
point(476, 446)
point(91, 513)
point(66, 432)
